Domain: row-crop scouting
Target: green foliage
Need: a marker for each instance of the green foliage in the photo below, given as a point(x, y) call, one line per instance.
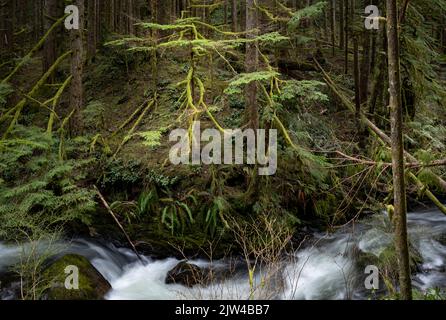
point(430, 294)
point(307, 12)
point(120, 174)
point(94, 115)
point(418, 55)
point(176, 215)
point(272, 38)
point(215, 216)
point(39, 192)
point(427, 134)
point(305, 93)
point(5, 91)
point(239, 82)
point(160, 180)
point(146, 204)
point(151, 138)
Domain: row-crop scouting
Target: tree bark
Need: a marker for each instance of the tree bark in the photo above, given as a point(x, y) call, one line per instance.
point(251, 62)
point(92, 29)
point(365, 68)
point(347, 26)
point(341, 23)
point(49, 48)
point(234, 16)
point(333, 25)
point(77, 64)
point(356, 76)
point(399, 188)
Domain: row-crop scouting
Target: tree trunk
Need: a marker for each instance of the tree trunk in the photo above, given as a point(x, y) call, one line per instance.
point(356, 76)
point(365, 67)
point(252, 114)
point(77, 64)
point(111, 17)
point(341, 23)
point(225, 14)
point(130, 17)
point(399, 188)
point(347, 26)
point(234, 16)
point(49, 48)
point(92, 29)
point(333, 25)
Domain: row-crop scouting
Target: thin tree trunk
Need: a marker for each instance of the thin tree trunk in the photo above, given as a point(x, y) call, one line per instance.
point(92, 29)
point(252, 113)
point(49, 48)
point(234, 16)
point(225, 15)
point(403, 10)
point(333, 25)
point(347, 26)
point(77, 63)
point(399, 188)
point(365, 68)
point(130, 17)
point(341, 23)
point(112, 16)
point(356, 76)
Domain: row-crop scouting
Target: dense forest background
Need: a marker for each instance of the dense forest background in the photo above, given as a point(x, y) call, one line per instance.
point(85, 117)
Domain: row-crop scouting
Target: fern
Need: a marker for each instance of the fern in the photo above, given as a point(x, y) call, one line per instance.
point(237, 84)
point(94, 115)
point(307, 12)
point(5, 91)
point(39, 192)
point(151, 138)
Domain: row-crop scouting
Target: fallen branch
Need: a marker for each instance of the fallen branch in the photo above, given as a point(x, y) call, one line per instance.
point(435, 163)
point(104, 202)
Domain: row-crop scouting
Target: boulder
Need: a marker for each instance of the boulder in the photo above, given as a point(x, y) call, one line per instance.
point(92, 285)
point(186, 274)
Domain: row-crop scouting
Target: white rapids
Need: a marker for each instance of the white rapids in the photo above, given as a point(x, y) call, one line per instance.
point(323, 269)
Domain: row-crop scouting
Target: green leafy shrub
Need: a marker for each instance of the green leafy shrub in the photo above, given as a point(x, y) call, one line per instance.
point(39, 192)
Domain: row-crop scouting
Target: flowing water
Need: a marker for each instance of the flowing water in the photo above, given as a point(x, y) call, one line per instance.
point(325, 268)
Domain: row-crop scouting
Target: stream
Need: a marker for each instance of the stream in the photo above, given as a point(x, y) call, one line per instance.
point(326, 267)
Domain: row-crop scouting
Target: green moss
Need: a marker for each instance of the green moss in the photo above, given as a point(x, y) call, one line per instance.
point(92, 285)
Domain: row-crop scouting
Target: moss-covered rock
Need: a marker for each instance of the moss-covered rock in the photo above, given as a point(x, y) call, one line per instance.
point(387, 261)
point(92, 285)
